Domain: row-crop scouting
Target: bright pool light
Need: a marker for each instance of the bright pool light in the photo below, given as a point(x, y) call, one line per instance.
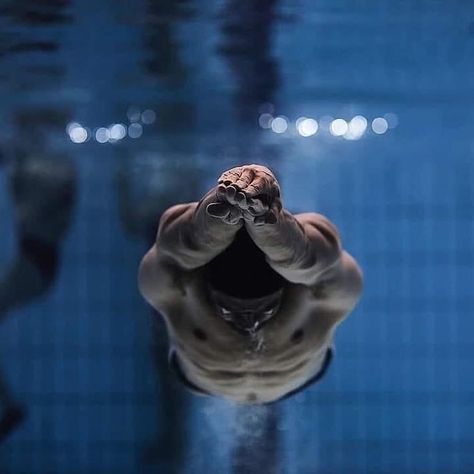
point(117, 131)
point(379, 125)
point(77, 134)
point(338, 127)
point(265, 120)
point(279, 125)
point(135, 130)
point(102, 135)
point(357, 127)
point(306, 126)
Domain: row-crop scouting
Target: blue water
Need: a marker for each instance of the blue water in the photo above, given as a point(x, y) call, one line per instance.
point(86, 357)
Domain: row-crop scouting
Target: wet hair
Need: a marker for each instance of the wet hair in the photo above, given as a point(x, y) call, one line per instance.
point(242, 270)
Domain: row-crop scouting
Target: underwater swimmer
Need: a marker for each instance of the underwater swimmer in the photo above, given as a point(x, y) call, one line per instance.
point(250, 293)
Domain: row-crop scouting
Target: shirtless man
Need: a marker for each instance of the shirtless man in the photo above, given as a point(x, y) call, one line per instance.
point(251, 294)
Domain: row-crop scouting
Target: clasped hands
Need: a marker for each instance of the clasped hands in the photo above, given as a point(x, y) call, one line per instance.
point(249, 192)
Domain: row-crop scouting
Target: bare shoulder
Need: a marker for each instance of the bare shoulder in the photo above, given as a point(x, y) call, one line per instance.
point(158, 279)
point(340, 287)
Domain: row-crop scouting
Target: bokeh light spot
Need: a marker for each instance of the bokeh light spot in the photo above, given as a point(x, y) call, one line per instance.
point(356, 128)
point(148, 116)
point(279, 125)
point(379, 125)
point(102, 135)
point(133, 114)
point(338, 127)
point(135, 130)
point(77, 133)
point(265, 120)
point(307, 127)
point(117, 131)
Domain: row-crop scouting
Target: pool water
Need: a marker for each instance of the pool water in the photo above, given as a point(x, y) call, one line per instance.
point(111, 111)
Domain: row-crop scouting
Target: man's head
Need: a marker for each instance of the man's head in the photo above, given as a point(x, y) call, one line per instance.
point(246, 314)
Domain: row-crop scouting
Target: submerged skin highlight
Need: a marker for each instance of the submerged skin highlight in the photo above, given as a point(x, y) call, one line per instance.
point(250, 293)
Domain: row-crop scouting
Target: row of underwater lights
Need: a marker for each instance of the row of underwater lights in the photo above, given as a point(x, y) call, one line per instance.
point(352, 129)
point(115, 132)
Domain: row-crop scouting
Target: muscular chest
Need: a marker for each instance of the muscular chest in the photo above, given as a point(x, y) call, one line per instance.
point(294, 335)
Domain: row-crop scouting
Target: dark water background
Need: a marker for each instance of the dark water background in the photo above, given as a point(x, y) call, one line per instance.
point(84, 356)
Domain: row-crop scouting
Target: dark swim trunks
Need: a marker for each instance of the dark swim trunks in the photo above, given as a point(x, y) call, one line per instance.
point(175, 366)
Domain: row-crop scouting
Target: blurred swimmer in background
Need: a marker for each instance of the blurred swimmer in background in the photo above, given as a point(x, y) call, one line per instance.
point(42, 187)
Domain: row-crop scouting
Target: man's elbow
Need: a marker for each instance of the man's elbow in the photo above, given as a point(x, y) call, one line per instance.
point(175, 239)
point(146, 276)
point(325, 244)
point(351, 284)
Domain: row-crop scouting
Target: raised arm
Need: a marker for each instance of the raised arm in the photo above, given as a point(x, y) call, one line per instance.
point(304, 248)
point(189, 236)
point(299, 247)
point(193, 234)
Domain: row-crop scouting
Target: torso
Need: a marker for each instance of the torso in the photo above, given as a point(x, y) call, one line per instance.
point(288, 349)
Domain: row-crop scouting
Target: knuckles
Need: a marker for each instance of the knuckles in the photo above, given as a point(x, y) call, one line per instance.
point(259, 203)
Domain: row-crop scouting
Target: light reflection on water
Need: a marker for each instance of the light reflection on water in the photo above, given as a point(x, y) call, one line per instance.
point(113, 111)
